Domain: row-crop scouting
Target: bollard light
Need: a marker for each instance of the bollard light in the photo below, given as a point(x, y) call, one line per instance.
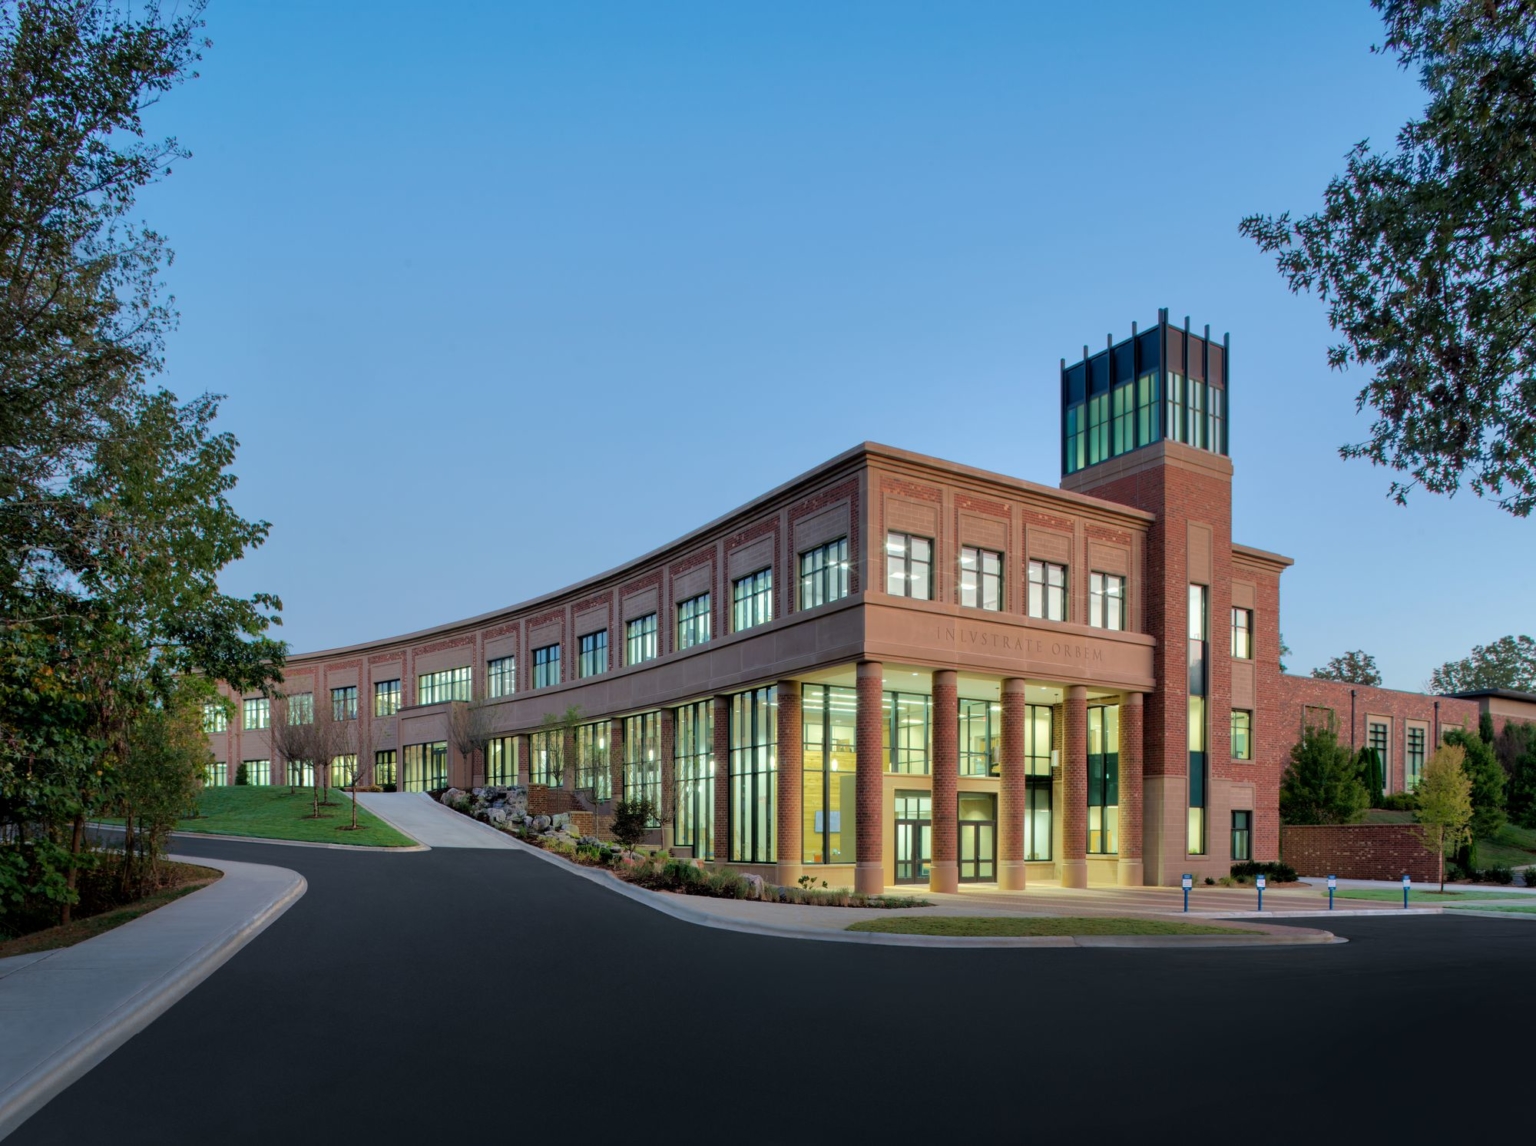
point(1333, 883)
point(1188, 881)
point(1260, 882)
point(1406, 883)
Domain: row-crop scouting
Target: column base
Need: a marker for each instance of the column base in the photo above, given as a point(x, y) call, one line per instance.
point(1010, 875)
point(943, 877)
point(869, 878)
point(1130, 873)
point(1074, 873)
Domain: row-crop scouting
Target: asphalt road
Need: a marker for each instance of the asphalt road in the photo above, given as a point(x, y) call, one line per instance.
point(468, 996)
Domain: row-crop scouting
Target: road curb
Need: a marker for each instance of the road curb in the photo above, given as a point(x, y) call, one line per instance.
point(27, 1093)
point(671, 905)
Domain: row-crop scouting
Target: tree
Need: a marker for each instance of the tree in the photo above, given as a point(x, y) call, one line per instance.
point(471, 725)
point(1487, 779)
point(1354, 667)
point(1372, 772)
point(1426, 257)
point(560, 741)
point(1285, 651)
point(631, 821)
point(160, 777)
point(1321, 784)
point(1444, 803)
point(1515, 749)
point(317, 741)
point(1509, 662)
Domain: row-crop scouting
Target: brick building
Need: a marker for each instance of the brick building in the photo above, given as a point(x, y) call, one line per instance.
point(899, 670)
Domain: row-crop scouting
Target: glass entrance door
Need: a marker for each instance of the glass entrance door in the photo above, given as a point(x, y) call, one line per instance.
point(978, 837)
point(914, 832)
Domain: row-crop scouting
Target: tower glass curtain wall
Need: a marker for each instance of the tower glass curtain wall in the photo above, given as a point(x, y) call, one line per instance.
point(1199, 626)
point(829, 801)
point(592, 771)
point(754, 774)
point(642, 761)
point(1104, 780)
point(1038, 737)
point(693, 778)
point(1160, 384)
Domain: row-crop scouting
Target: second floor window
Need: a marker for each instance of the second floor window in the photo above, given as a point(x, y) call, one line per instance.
point(546, 666)
point(1242, 634)
point(1106, 601)
point(693, 621)
point(640, 640)
point(981, 578)
point(752, 600)
point(386, 697)
point(1047, 591)
point(215, 717)
point(824, 574)
point(593, 657)
point(501, 676)
point(301, 708)
point(909, 566)
point(344, 703)
point(444, 686)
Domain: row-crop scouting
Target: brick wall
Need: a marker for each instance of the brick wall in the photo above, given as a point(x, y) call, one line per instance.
point(1359, 851)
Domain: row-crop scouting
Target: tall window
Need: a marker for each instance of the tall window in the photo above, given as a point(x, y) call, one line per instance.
point(981, 731)
point(1199, 628)
point(909, 566)
point(257, 772)
point(255, 712)
point(592, 770)
point(693, 621)
point(642, 761)
point(215, 717)
point(501, 761)
point(546, 752)
point(301, 773)
point(1417, 736)
point(344, 703)
point(1106, 601)
point(592, 657)
point(501, 676)
point(384, 767)
point(1378, 738)
point(1242, 835)
point(1242, 734)
point(386, 697)
point(442, 687)
point(1242, 634)
point(828, 800)
point(908, 732)
point(301, 708)
point(640, 640)
point(215, 774)
point(693, 778)
point(752, 600)
point(981, 578)
point(1177, 426)
point(824, 574)
point(1038, 737)
point(1104, 780)
point(546, 666)
point(1047, 591)
point(425, 767)
point(753, 775)
point(344, 770)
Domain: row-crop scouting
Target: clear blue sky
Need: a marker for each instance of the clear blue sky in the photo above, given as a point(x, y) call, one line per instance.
point(505, 294)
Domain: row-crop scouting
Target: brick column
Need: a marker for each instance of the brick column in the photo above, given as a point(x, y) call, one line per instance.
point(668, 808)
point(1074, 791)
point(944, 870)
point(1130, 868)
point(616, 758)
point(791, 732)
point(722, 729)
point(869, 871)
point(1010, 804)
point(568, 755)
point(524, 752)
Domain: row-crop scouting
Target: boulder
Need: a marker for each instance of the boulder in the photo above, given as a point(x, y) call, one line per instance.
point(452, 796)
point(754, 885)
point(541, 823)
point(495, 816)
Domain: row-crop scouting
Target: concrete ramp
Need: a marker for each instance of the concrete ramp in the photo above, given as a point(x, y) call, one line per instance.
point(426, 821)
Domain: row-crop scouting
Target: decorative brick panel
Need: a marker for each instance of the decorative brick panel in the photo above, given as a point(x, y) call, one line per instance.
point(1074, 773)
point(722, 729)
point(791, 768)
point(1010, 804)
point(1130, 777)
point(870, 778)
point(946, 766)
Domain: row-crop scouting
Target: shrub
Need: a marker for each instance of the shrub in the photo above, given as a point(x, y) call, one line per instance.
point(631, 821)
point(1530, 877)
point(240, 775)
point(1279, 872)
point(1399, 802)
point(1498, 873)
point(1321, 784)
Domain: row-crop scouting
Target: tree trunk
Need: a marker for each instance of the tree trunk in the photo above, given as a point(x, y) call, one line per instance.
point(1441, 851)
point(354, 805)
point(77, 836)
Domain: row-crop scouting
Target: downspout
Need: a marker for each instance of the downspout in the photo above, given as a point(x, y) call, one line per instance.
point(1351, 720)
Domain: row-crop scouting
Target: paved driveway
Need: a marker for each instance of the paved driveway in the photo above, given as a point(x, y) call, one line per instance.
point(464, 995)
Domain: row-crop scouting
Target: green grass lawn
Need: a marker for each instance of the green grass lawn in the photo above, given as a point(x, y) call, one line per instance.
point(1415, 894)
point(1512, 846)
point(272, 814)
point(1014, 925)
point(1512, 909)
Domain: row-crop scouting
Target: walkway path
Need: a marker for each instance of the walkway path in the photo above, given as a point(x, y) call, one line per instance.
point(422, 818)
point(62, 1012)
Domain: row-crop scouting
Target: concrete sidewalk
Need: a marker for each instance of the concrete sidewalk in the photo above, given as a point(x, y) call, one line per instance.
point(426, 821)
point(64, 1011)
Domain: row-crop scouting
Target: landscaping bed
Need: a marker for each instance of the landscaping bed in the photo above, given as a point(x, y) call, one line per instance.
point(26, 930)
point(275, 814)
point(1032, 925)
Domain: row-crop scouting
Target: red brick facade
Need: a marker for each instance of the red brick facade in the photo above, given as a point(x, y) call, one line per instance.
point(1359, 851)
